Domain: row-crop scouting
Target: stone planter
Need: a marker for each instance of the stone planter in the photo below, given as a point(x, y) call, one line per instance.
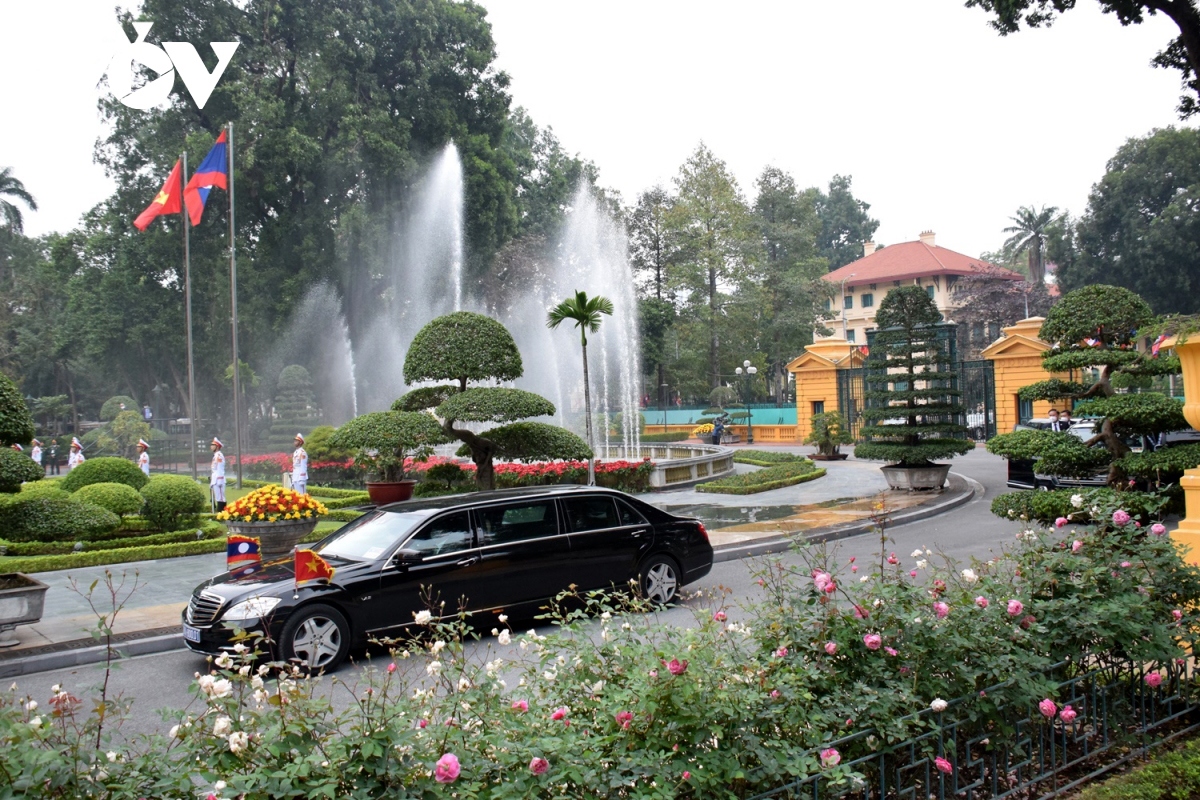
point(21, 601)
point(912, 479)
point(830, 457)
point(277, 539)
point(382, 492)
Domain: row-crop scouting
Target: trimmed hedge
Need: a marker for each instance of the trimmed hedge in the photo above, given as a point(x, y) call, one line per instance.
point(766, 458)
point(44, 519)
point(171, 500)
point(343, 516)
point(211, 530)
point(104, 470)
point(50, 487)
point(116, 497)
point(17, 468)
point(1046, 507)
point(355, 499)
point(763, 480)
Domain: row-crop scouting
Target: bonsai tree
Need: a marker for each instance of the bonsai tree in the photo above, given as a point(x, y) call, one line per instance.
point(912, 408)
point(16, 424)
point(585, 312)
point(384, 440)
point(295, 406)
point(1096, 327)
point(828, 433)
point(466, 348)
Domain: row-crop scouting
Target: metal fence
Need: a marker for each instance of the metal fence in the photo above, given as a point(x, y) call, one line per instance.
point(1017, 752)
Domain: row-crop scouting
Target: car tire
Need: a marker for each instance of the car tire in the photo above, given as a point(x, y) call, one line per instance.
point(1043, 487)
point(659, 580)
point(316, 638)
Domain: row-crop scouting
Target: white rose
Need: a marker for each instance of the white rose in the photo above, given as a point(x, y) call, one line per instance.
point(56, 688)
point(550, 675)
point(423, 617)
point(917, 553)
point(174, 732)
point(437, 647)
point(1077, 500)
point(112, 756)
point(505, 637)
point(219, 786)
point(222, 726)
point(606, 616)
point(464, 684)
point(434, 668)
point(224, 661)
point(922, 564)
point(938, 705)
point(240, 648)
point(36, 722)
point(969, 575)
point(222, 688)
point(597, 687)
point(31, 705)
point(503, 618)
point(864, 579)
point(260, 696)
point(238, 742)
point(205, 682)
point(256, 682)
point(244, 671)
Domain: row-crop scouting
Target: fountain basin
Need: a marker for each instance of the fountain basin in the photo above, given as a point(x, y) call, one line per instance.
point(675, 464)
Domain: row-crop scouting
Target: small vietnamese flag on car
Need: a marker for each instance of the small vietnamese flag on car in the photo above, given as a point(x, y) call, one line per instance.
point(311, 569)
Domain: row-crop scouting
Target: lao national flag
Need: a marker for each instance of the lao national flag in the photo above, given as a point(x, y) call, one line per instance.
point(213, 171)
point(167, 201)
point(242, 552)
point(311, 569)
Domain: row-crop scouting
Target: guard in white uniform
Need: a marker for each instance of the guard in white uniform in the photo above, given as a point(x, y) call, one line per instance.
point(144, 456)
point(76, 458)
point(216, 478)
point(300, 466)
point(35, 452)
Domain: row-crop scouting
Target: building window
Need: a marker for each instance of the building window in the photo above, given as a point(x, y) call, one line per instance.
point(818, 407)
point(828, 304)
point(895, 283)
point(848, 301)
point(850, 335)
point(868, 300)
point(872, 287)
point(929, 291)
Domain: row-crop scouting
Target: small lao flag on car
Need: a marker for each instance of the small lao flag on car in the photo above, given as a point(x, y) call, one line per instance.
point(311, 569)
point(242, 552)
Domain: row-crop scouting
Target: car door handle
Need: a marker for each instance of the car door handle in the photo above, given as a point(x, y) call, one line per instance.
point(637, 534)
point(466, 562)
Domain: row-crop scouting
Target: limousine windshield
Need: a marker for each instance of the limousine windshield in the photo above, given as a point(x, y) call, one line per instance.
point(371, 535)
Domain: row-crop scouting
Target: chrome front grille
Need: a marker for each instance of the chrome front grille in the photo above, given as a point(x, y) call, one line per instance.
point(203, 608)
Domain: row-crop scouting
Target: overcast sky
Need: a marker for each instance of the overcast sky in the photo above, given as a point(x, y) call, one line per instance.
point(943, 124)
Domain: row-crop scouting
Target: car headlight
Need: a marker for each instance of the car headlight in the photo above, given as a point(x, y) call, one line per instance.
point(253, 608)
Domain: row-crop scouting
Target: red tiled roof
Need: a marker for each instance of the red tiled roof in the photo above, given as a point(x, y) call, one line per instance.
point(909, 260)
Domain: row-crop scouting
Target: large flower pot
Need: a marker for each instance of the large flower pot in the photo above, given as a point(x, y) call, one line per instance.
point(912, 479)
point(1187, 535)
point(276, 539)
point(382, 492)
point(21, 601)
point(829, 457)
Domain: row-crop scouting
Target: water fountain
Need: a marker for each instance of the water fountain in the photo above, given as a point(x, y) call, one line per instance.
point(318, 339)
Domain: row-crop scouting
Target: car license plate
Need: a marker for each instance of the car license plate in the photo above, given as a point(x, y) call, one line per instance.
point(191, 634)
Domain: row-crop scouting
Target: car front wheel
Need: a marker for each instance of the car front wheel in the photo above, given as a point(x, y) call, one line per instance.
point(317, 637)
point(659, 580)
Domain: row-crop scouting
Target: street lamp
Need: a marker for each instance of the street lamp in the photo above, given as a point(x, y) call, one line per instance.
point(662, 402)
point(843, 299)
point(748, 374)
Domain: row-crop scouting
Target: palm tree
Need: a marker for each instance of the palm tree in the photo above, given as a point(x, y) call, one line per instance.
point(11, 187)
point(585, 312)
point(1030, 233)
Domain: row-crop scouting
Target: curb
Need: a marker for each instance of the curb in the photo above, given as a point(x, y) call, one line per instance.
point(72, 654)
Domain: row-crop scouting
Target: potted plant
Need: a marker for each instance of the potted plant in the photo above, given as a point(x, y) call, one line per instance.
point(383, 441)
point(278, 517)
point(828, 434)
point(912, 411)
point(21, 601)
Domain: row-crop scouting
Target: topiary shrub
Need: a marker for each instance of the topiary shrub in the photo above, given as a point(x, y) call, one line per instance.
point(115, 405)
point(45, 488)
point(16, 423)
point(446, 473)
point(15, 469)
point(318, 447)
point(173, 501)
point(104, 470)
point(46, 519)
point(116, 497)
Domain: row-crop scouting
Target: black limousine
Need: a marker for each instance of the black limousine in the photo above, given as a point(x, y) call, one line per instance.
point(505, 551)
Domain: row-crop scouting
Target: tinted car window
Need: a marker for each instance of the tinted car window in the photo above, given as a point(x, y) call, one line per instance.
point(629, 515)
point(446, 534)
point(591, 513)
point(516, 522)
point(370, 536)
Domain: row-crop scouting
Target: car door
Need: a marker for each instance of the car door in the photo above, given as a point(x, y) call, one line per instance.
point(448, 572)
point(608, 538)
point(523, 551)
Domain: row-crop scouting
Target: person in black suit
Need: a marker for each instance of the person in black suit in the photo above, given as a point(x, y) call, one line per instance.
point(1064, 420)
point(1054, 423)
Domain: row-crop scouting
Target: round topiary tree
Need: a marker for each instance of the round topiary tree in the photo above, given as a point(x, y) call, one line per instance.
point(15, 469)
point(115, 405)
point(463, 347)
point(384, 440)
point(295, 406)
point(173, 501)
point(33, 518)
point(104, 470)
point(912, 408)
point(16, 423)
point(116, 497)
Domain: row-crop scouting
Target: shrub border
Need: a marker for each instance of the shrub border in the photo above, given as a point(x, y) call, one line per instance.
point(712, 486)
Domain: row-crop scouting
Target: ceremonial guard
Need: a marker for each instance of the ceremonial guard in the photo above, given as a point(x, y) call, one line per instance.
point(144, 456)
point(300, 466)
point(76, 457)
point(36, 452)
point(216, 478)
point(18, 448)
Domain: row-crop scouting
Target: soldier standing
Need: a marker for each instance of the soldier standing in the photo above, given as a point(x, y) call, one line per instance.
point(76, 457)
point(144, 456)
point(300, 466)
point(35, 452)
point(216, 478)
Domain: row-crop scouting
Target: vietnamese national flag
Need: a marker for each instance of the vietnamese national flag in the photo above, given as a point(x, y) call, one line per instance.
point(211, 172)
point(311, 569)
point(167, 201)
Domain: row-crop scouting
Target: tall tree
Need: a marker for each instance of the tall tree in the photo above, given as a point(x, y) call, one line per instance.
point(1141, 229)
point(548, 176)
point(1183, 52)
point(1029, 231)
point(11, 187)
point(716, 239)
point(585, 312)
point(653, 248)
point(989, 300)
point(845, 223)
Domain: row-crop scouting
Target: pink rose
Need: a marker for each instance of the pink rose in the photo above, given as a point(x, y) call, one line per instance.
point(912, 573)
point(860, 612)
point(822, 580)
point(421, 723)
point(941, 609)
point(943, 765)
point(774, 694)
point(653, 673)
point(675, 666)
point(686, 775)
point(1076, 546)
point(830, 648)
point(1120, 518)
point(891, 651)
point(1067, 715)
point(853, 558)
point(520, 705)
point(1158, 529)
point(1060, 522)
point(854, 567)
point(1125, 565)
point(873, 641)
point(781, 652)
point(624, 719)
point(981, 601)
point(1154, 680)
point(892, 559)
point(560, 712)
point(830, 758)
point(539, 766)
point(1048, 708)
point(447, 769)
point(392, 667)
point(1015, 607)
point(1177, 614)
point(719, 616)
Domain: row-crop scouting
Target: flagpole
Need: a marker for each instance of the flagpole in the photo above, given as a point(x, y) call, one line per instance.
point(237, 367)
point(187, 299)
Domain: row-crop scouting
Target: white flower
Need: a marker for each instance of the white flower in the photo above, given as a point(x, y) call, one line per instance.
point(422, 617)
point(437, 647)
point(928, 552)
point(434, 668)
point(260, 696)
point(938, 705)
point(222, 688)
point(916, 620)
point(1077, 500)
point(1011, 513)
point(917, 553)
point(219, 786)
point(224, 661)
point(244, 670)
point(550, 675)
point(605, 634)
point(174, 732)
point(36, 722)
point(505, 637)
point(495, 631)
point(56, 688)
point(264, 669)
point(205, 682)
point(31, 705)
point(240, 648)
point(922, 564)
point(222, 726)
point(969, 575)
point(864, 579)
point(503, 618)
point(238, 742)
point(464, 684)
point(597, 687)
point(256, 682)
point(606, 616)
point(112, 756)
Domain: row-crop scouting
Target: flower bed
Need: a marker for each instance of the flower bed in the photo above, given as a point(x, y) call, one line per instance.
point(269, 466)
point(762, 480)
point(767, 458)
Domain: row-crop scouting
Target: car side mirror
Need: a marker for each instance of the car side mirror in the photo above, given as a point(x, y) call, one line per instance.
point(406, 558)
